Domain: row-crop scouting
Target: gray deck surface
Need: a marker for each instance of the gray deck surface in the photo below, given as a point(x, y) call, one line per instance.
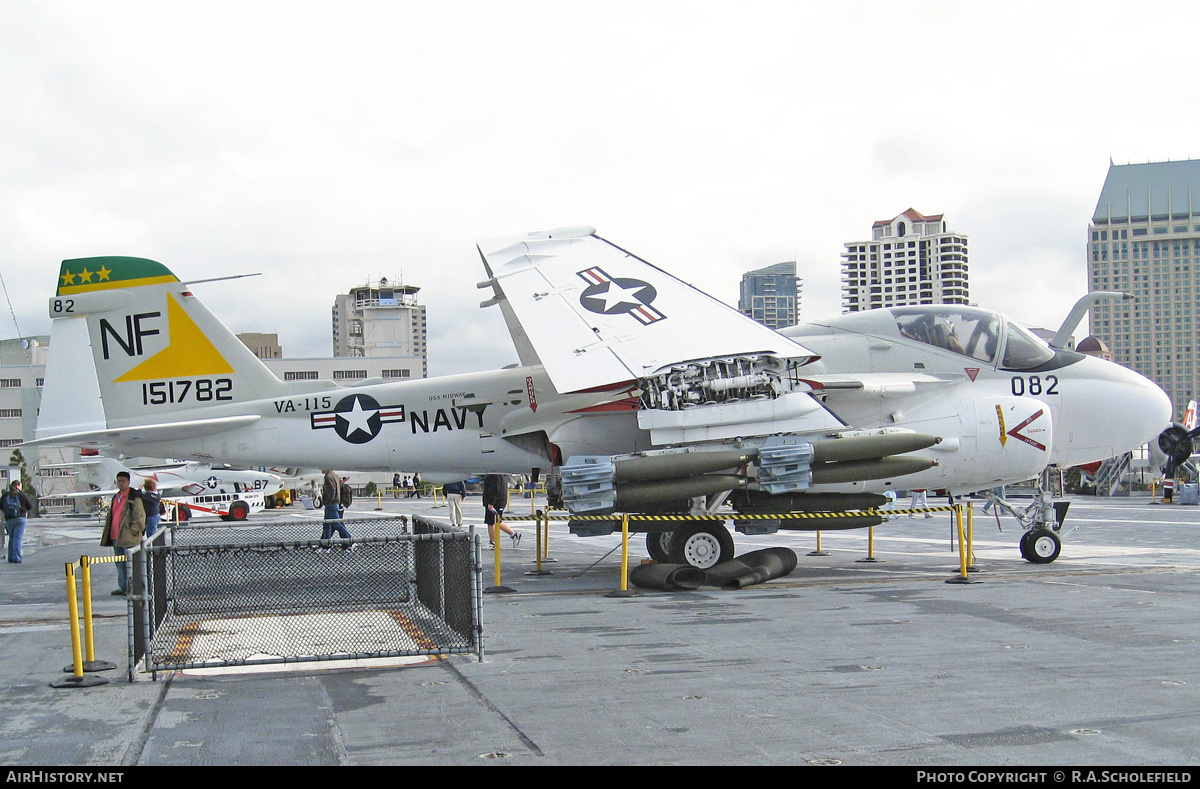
point(1092, 660)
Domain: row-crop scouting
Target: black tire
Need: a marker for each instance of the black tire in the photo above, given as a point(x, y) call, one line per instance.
point(184, 511)
point(702, 545)
point(239, 511)
point(1041, 546)
point(658, 545)
point(1024, 545)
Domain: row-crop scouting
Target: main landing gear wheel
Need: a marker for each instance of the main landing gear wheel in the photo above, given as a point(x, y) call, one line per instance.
point(658, 545)
point(701, 545)
point(1040, 546)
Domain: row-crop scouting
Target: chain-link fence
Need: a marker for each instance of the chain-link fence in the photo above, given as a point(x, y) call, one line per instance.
point(220, 595)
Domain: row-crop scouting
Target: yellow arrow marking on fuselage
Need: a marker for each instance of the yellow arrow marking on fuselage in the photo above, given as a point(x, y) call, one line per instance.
point(189, 353)
point(1000, 416)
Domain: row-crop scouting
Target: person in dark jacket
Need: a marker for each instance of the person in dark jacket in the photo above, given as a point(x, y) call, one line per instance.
point(16, 506)
point(495, 500)
point(152, 503)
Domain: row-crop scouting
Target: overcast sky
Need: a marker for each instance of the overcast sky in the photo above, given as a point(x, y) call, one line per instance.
point(324, 144)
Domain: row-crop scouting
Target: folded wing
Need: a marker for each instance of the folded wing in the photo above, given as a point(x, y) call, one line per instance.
point(594, 314)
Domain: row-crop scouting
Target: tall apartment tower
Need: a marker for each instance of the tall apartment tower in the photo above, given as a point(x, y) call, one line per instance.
point(1144, 240)
point(771, 295)
point(380, 319)
point(910, 259)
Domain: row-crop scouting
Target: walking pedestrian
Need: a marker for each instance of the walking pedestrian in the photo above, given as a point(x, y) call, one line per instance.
point(919, 500)
point(495, 501)
point(331, 497)
point(16, 507)
point(455, 491)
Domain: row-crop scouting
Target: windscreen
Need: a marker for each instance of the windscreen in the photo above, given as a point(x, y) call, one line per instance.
point(1024, 351)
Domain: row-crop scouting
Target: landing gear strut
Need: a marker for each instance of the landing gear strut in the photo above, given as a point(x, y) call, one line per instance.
point(1042, 520)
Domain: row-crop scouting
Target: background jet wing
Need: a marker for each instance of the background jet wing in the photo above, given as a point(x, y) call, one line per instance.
point(594, 314)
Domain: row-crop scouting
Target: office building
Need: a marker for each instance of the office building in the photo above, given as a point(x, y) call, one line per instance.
point(264, 346)
point(380, 319)
point(1144, 239)
point(771, 295)
point(909, 259)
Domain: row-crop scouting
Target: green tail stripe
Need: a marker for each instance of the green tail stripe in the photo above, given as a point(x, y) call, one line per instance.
point(107, 272)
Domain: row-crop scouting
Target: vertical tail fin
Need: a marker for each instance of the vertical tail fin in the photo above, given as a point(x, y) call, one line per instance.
point(131, 343)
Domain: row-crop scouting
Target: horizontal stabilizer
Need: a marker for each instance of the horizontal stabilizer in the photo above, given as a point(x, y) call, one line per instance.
point(147, 434)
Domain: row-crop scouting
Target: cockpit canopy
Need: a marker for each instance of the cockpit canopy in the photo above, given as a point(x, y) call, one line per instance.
point(973, 332)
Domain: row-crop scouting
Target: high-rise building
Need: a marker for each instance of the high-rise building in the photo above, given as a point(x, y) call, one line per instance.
point(1144, 239)
point(910, 259)
point(771, 295)
point(380, 319)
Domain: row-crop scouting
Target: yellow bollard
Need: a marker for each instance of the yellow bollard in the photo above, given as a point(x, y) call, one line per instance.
point(538, 517)
point(73, 612)
point(971, 533)
point(870, 547)
point(496, 550)
point(625, 553)
point(818, 551)
point(624, 591)
point(89, 640)
point(962, 577)
point(77, 679)
point(497, 587)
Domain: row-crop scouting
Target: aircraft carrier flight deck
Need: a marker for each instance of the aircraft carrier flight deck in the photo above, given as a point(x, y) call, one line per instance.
point(1089, 660)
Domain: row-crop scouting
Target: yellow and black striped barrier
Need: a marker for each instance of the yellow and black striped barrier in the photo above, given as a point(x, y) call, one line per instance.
point(542, 521)
point(740, 516)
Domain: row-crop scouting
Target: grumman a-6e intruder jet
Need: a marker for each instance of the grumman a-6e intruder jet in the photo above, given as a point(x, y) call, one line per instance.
point(645, 394)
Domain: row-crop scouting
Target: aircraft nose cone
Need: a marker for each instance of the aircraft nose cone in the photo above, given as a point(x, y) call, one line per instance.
point(1110, 410)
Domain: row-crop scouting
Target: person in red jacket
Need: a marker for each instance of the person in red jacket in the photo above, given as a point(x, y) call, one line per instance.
point(123, 526)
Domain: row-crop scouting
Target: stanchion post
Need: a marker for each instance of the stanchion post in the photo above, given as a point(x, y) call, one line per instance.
point(870, 547)
point(73, 612)
point(962, 577)
point(89, 635)
point(624, 591)
point(971, 536)
point(496, 553)
point(77, 679)
point(818, 551)
point(85, 565)
point(537, 546)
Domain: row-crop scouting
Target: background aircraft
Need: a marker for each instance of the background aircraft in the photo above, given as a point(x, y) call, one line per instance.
point(646, 394)
point(200, 487)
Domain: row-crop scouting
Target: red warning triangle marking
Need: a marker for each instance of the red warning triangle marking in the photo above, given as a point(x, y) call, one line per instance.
point(972, 372)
